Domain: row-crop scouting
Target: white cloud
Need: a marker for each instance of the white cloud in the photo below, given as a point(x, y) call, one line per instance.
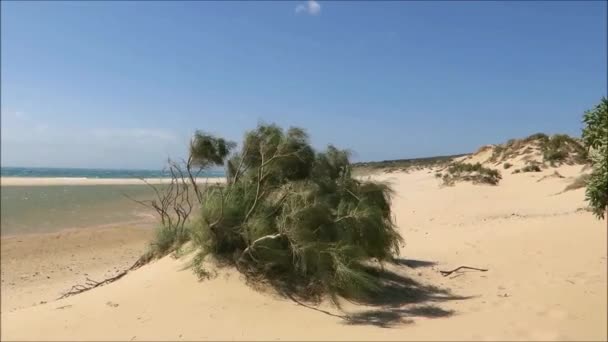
point(311, 7)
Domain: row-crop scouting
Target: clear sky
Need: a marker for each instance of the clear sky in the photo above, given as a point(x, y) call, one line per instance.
point(124, 84)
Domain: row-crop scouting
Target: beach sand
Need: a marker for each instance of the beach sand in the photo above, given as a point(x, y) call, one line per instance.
point(43, 181)
point(544, 252)
point(38, 268)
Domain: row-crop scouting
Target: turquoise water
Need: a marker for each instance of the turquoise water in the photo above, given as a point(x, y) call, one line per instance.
point(91, 173)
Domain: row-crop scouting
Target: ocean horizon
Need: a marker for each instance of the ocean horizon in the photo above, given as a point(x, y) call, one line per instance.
point(56, 172)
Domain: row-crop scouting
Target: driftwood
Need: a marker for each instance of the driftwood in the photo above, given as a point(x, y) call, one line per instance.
point(447, 273)
point(91, 284)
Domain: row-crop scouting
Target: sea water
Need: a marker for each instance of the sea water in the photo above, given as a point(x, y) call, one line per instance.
point(92, 173)
point(42, 209)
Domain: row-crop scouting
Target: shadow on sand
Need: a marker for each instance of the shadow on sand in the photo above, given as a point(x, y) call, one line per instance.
point(413, 263)
point(402, 298)
point(399, 300)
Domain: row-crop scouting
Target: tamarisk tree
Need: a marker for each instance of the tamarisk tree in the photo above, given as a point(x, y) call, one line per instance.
point(289, 214)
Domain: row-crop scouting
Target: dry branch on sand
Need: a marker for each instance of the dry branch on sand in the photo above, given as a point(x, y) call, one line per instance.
point(91, 284)
point(447, 273)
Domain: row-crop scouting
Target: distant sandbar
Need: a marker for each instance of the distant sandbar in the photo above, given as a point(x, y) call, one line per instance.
point(42, 181)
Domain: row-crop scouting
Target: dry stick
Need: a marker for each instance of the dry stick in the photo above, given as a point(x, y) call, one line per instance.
point(447, 273)
point(346, 318)
point(174, 193)
point(91, 284)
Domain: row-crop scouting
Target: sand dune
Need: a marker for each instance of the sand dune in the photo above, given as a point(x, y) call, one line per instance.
point(546, 279)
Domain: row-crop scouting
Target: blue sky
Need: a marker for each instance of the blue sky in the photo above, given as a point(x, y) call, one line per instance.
point(124, 84)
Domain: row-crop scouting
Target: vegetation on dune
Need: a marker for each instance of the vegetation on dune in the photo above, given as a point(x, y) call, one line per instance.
point(288, 215)
point(595, 138)
point(475, 173)
point(507, 165)
point(560, 148)
point(531, 168)
point(556, 149)
point(404, 164)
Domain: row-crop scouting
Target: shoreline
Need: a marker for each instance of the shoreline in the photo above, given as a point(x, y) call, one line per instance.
point(45, 181)
point(37, 268)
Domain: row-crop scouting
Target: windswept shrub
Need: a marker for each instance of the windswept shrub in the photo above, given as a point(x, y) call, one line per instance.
point(507, 165)
point(475, 173)
point(290, 216)
point(542, 137)
point(531, 168)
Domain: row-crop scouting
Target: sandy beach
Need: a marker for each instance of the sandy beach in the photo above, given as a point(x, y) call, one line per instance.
point(546, 279)
point(38, 268)
point(44, 181)
point(304, 170)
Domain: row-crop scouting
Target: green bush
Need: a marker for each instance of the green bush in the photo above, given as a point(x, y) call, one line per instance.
point(595, 138)
point(531, 168)
point(168, 239)
point(507, 165)
point(475, 173)
point(560, 147)
point(542, 137)
point(296, 218)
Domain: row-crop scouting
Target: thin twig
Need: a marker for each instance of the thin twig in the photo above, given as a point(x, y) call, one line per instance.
point(447, 273)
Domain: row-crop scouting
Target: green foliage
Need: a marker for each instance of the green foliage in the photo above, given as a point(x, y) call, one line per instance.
point(595, 138)
point(559, 147)
point(475, 173)
point(542, 137)
point(296, 217)
point(507, 165)
point(167, 240)
point(531, 168)
point(207, 150)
